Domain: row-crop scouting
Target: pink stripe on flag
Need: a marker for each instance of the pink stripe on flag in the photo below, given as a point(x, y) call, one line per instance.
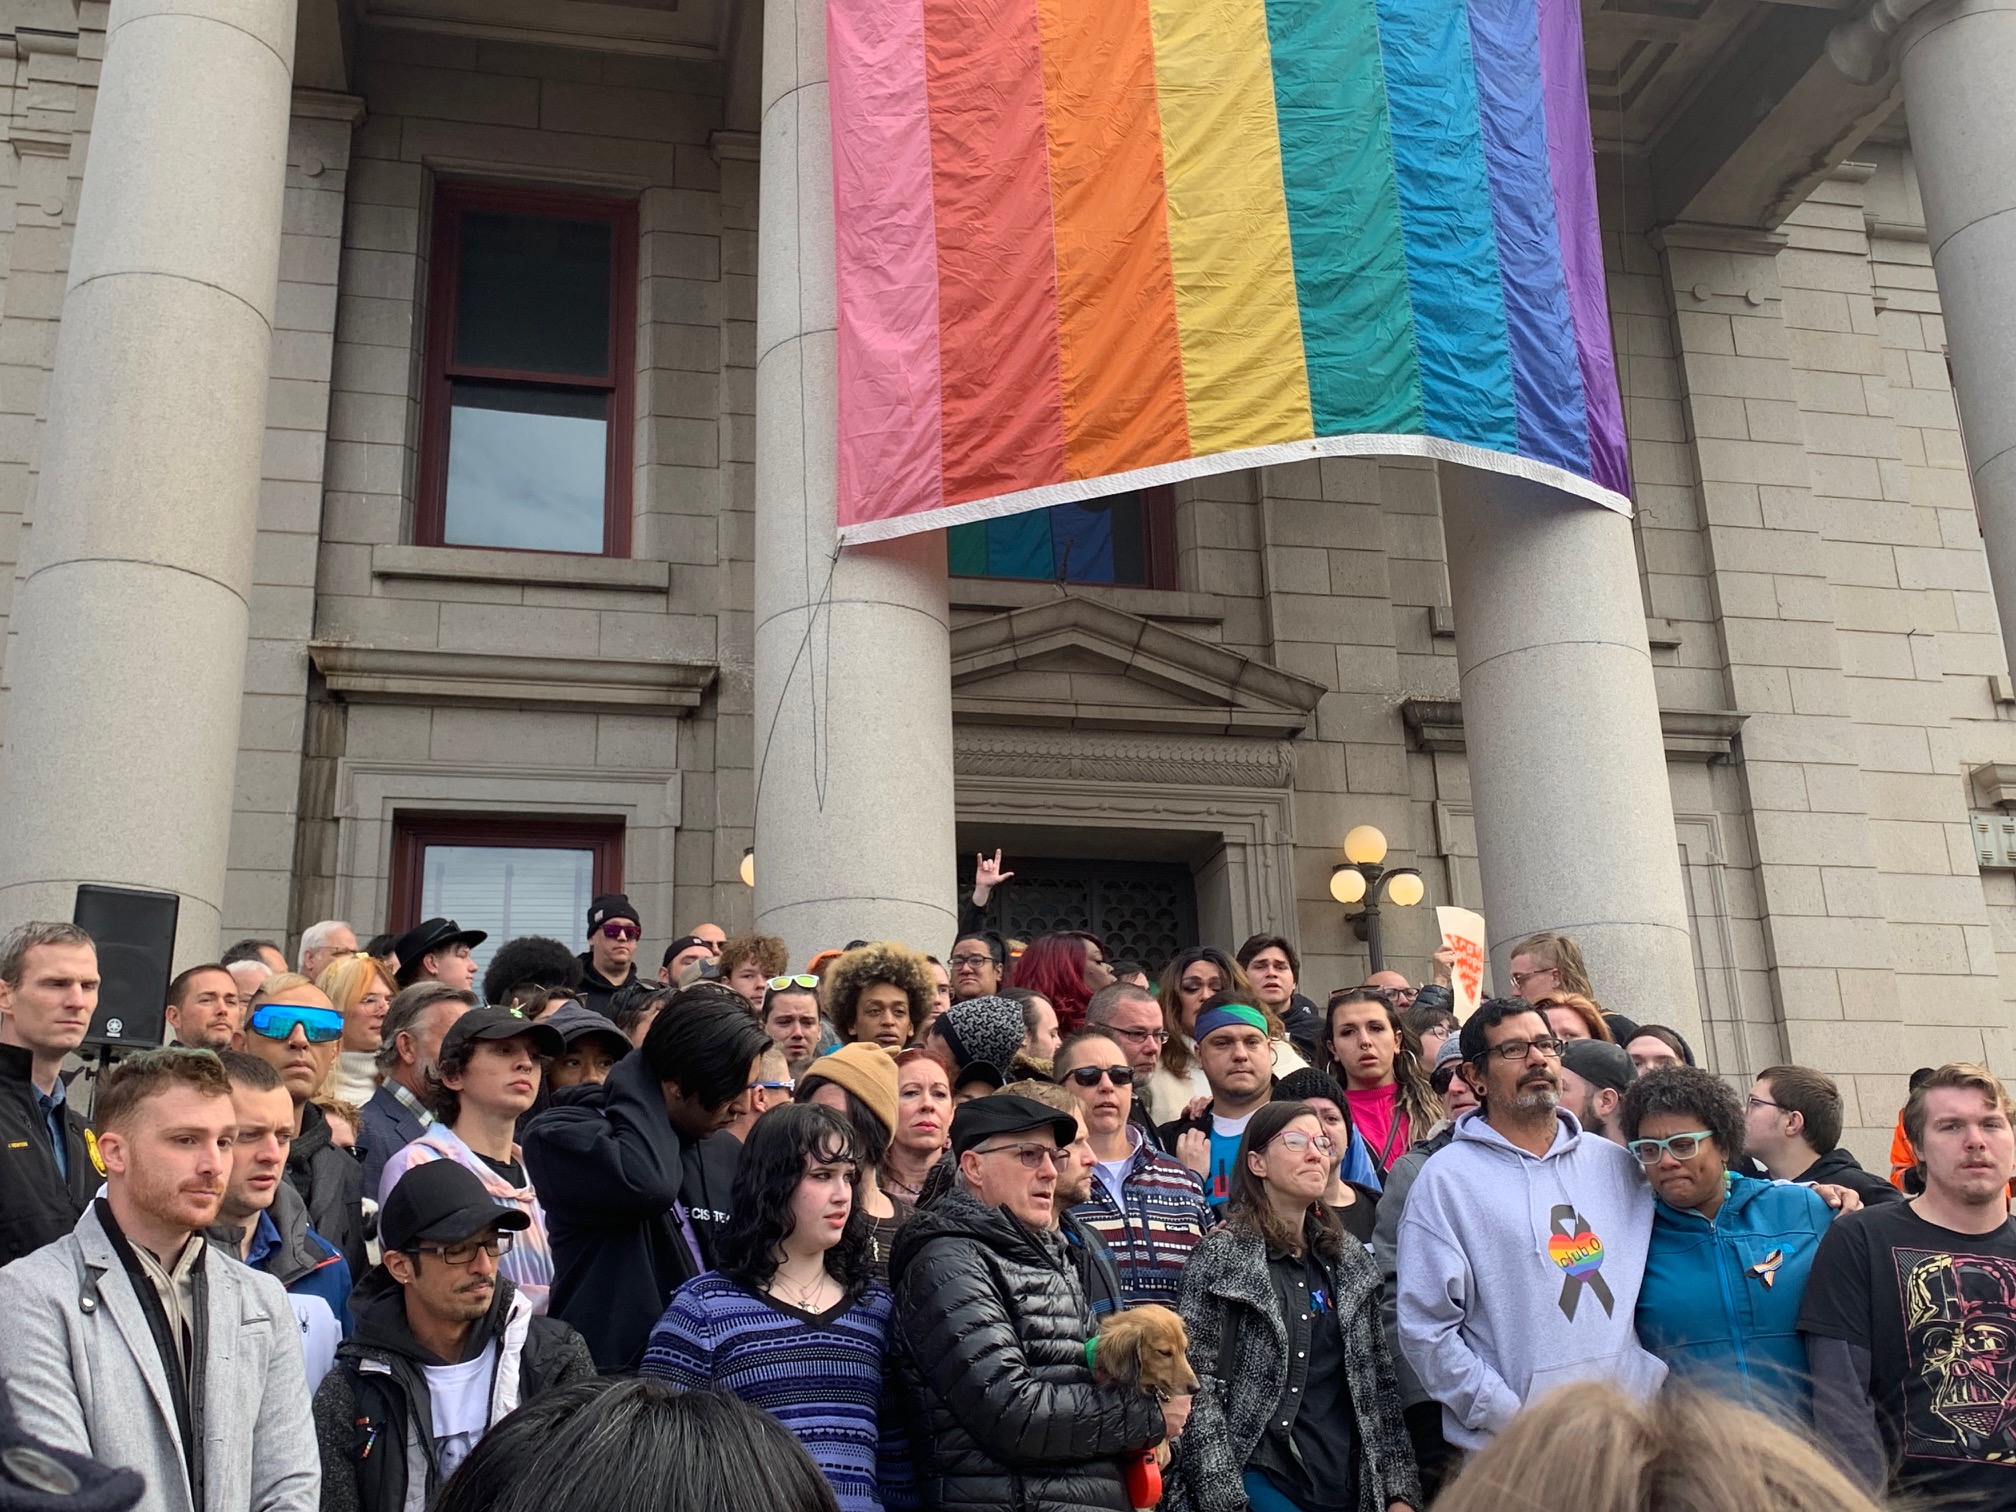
point(886, 260)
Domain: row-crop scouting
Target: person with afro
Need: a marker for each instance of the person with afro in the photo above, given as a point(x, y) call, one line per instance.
point(879, 993)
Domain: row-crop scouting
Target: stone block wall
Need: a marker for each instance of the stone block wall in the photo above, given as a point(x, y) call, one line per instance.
point(438, 108)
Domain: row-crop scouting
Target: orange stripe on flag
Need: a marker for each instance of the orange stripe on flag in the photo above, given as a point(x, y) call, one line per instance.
point(1001, 400)
point(1120, 353)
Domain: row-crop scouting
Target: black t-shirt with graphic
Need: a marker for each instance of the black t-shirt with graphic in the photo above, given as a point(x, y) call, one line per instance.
point(1936, 1311)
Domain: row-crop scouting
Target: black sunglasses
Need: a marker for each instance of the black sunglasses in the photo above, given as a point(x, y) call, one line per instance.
point(1088, 1076)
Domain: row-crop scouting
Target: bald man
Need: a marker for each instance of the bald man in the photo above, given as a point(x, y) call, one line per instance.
point(1394, 984)
point(296, 1030)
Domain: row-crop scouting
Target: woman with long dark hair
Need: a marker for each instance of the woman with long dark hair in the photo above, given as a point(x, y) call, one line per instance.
point(1296, 1408)
point(793, 1320)
point(1378, 1059)
point(858, 1082)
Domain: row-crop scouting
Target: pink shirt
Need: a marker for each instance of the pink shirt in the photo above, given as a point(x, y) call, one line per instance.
point(1375, 1112)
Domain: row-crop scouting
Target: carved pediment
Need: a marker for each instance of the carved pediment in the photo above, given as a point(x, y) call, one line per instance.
point(1081, 664)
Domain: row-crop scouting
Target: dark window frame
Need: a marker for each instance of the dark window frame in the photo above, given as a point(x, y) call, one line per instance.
point(452, 200)
point(1158, 547)
point(414, 830)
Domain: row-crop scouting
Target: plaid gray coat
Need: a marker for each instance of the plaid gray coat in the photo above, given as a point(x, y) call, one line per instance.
point(1226, 1288)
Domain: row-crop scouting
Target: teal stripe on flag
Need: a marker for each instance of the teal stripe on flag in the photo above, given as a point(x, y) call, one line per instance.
point(1018, 546)
point(1445, 215)
point(1344, 217)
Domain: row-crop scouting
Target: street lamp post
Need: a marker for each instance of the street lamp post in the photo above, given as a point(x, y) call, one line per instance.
point(1361, 878)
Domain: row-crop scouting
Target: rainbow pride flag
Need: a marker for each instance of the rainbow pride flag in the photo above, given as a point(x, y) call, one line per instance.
point(1093, 245)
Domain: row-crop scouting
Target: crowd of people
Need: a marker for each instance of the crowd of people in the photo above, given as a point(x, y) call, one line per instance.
point(1025, 1226)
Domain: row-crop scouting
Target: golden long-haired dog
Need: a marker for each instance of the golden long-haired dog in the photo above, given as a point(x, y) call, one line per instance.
point(1146, 1348)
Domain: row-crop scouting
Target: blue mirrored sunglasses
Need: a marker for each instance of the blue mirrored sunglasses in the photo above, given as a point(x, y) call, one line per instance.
point(277, 1021)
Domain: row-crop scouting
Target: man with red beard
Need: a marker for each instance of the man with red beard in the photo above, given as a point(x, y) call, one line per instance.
point(136, 1342)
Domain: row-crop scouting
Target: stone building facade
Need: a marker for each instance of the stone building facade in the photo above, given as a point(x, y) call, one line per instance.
point(245, 661)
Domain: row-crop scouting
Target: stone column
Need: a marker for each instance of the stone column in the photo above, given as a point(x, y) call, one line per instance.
point(1957, 59)
point(126, 671)
point(1561, 730)
point(853, 784)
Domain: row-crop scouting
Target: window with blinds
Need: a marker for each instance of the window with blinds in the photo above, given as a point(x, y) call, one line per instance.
point(504, 874)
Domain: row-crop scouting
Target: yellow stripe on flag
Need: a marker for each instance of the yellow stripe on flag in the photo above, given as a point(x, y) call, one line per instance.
point(1243, 371)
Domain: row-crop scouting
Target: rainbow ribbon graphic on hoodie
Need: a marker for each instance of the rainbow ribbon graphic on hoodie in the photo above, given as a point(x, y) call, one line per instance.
point(1574, 1246)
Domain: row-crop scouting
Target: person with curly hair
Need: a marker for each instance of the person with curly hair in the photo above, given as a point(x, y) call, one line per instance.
point(748, 962)
point(1730, 1254)
point(879, 993)
point(534, 961)
point(795, 1283)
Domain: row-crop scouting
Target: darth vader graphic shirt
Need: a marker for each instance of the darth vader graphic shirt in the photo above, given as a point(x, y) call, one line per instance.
point(1936, 1310)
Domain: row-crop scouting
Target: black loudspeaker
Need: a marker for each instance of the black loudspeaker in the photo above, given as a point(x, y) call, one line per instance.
point(135, 932)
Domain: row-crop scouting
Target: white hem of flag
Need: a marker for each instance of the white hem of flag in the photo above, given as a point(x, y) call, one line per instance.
point(1279, 454)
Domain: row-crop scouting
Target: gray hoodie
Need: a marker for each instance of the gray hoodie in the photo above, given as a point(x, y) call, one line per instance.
point(1519, 1273)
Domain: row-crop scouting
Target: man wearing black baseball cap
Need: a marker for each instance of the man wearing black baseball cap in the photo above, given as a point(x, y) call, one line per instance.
point(1594, 1074)
point(609, 964)
point(991, 1324)
point(687, 950)
point(443, 1347)
point(437, 950)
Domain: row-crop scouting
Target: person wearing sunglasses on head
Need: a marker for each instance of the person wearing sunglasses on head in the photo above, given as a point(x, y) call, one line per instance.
point(1147, 1208)
point(297, 1030)
point(609, 964)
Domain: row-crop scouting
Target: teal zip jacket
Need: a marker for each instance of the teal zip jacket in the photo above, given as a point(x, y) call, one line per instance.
point(1720, 1302)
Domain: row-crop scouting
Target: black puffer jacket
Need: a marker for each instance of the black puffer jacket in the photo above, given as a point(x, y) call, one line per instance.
point(990, 1334)
point(331, 1182)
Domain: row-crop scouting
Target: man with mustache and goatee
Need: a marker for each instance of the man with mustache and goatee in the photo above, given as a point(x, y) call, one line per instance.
point(444, 1346)
point(135, 1341)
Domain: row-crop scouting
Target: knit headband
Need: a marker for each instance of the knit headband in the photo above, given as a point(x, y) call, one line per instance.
point(1230, 1014)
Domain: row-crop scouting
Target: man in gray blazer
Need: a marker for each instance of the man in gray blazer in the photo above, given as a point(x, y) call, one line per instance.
point(134, 1341)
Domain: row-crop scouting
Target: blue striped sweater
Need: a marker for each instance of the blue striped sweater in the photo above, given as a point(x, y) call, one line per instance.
point(821, 1377)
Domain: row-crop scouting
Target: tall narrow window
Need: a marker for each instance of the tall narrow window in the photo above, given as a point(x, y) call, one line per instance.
point(529, 346)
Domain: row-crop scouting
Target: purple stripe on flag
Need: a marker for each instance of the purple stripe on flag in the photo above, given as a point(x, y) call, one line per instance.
point(1571, 163)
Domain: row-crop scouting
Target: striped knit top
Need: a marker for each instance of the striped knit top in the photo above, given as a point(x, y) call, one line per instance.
point(820, 1375)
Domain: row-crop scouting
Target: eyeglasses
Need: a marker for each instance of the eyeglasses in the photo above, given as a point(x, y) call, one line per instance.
point(465, 1252)
point(277, 1021)
point(778, 984)
point(1765, 1102)
point(1518, 1050)
point(1032, 1156)
point(1680, 1146)
point(614, 930)
point(1302, 1143)
point(1089, 1076)
point(1140, 1036)
point(1521, 978)
point(973, 961)
point(772, 1086)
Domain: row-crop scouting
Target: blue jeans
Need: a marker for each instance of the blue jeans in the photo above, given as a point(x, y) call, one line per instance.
point(1264, 1496)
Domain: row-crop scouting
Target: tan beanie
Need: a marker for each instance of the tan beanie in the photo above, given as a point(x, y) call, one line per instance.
point(868, 1071)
